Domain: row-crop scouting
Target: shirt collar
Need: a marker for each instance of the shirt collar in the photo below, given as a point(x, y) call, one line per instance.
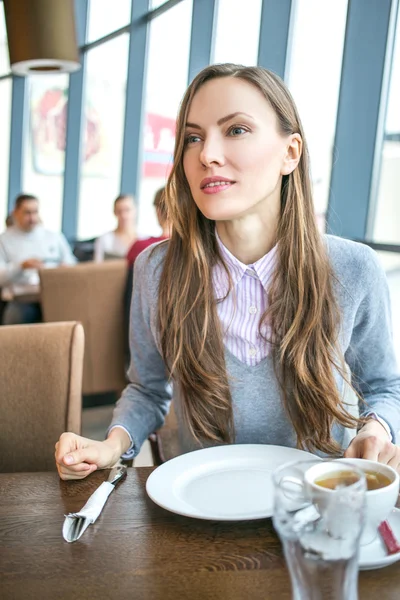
point(262, 268)
point(31, 233)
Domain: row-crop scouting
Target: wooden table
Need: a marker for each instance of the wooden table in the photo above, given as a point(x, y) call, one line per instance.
point(137, 550)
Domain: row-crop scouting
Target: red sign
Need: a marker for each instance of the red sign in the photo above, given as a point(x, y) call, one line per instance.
point(159, 140)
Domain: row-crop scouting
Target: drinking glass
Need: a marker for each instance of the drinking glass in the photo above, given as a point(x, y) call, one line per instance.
point(320, 528)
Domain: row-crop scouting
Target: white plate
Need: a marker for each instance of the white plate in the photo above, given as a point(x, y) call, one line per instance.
point(374, 555)
point(225, 483)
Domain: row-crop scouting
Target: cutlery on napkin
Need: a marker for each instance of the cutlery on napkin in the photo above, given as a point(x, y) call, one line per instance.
point(75, 524)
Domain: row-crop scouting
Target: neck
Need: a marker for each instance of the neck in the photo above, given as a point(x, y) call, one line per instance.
point(126, 229)
point(23, 229)
point(249, 238)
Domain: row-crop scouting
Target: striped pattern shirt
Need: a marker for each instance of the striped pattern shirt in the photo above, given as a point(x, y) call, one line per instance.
point(240, 312)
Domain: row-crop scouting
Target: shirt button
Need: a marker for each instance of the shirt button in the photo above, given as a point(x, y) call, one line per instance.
point(251, 273)
point(253, 310)
point(252, 351)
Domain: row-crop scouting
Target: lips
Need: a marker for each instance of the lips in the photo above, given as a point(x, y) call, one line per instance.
point(210, 182)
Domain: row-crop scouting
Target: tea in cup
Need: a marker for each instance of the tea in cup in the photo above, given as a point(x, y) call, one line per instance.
point(381, 496)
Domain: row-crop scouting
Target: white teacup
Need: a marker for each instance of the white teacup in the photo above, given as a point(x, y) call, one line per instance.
point(336, 506)
point(380, 502)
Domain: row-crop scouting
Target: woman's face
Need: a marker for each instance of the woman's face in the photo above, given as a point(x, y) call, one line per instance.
point(125, 212)
point(234, 155)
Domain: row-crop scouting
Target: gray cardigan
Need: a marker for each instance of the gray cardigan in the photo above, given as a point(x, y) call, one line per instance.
point(260, 418)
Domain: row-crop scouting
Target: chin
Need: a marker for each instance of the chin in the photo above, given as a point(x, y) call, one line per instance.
point(221, 213)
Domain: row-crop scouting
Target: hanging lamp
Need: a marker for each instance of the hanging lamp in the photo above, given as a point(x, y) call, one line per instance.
point(41, 36)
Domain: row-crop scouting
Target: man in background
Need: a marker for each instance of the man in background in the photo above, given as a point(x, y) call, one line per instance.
point(25, 247)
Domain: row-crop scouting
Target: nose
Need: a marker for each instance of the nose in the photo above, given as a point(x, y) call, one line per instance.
point(211, 153)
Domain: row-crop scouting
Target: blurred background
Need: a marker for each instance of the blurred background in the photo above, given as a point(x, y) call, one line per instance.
point(78, 140)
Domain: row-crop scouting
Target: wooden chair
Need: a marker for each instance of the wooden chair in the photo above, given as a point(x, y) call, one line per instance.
point(96, 295)
point(92, 293)
point(41, 392)
point(164, 443)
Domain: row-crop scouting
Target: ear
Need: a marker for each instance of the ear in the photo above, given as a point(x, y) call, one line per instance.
point(293, 153)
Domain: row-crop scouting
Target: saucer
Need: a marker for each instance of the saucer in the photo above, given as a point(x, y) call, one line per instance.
point(374, 555)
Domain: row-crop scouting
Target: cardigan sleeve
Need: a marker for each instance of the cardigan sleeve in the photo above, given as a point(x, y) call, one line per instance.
point(145, 401)
point(371, 355)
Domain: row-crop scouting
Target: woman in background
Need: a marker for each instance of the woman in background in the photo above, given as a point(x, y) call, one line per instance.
point(115, 244)
point(162, 217)
point(134, 251)
point(270, 332)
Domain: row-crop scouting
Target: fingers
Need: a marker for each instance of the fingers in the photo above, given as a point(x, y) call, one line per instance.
point(90, 454)
point(67, 443)
point(367, 447)
point(80, 467)
point(352, 451)
point(394, 462)
point(67, 474)
point(72, 449)
point(78, 471)
point(73, 459)
point(388, 452)
point(371, 448)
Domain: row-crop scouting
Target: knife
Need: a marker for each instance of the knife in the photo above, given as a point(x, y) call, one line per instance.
point(75, 524)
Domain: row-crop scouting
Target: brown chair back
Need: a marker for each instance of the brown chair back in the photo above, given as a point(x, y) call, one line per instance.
point(164, 443)
point(40, 392)
point(92, 293)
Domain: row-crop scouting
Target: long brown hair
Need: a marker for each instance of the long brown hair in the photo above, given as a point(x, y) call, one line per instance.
point(303, 312)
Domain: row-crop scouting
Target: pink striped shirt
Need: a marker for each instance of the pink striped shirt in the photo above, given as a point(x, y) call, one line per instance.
point(242, 309)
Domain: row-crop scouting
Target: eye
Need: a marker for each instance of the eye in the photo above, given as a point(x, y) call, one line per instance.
point(191, 139)
point(237, 130)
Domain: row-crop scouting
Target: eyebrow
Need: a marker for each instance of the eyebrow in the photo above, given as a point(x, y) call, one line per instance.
point(222, 120)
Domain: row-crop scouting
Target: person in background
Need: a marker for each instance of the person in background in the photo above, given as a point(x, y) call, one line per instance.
point(25, 247)
point(161, 211)
point(134, 251)
point(115, 244)
point(8, 222)
point(269, 331)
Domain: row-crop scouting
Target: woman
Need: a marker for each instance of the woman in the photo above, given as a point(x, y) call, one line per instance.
point(115, 244)
point(134, 251)
point(162, 218)
point(261, 323)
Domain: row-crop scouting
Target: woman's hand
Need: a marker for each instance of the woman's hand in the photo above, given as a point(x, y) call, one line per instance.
point(77, 457)
point(372, 443)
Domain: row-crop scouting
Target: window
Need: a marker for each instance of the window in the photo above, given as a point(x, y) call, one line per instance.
point(105, 17)
point(5, 118)
point(44, 146)
point(393, 277)
point(105, 95)
point(237, 32)
point(314, 81)
point(168, 64)
point(156, 3)
point(387, 216)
